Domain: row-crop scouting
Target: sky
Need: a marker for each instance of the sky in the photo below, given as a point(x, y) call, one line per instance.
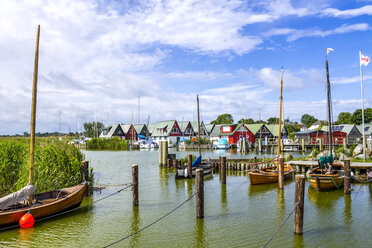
point(104, 60)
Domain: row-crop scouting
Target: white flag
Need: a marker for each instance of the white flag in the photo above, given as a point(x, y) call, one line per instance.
point(364, 60)
point(330, 50)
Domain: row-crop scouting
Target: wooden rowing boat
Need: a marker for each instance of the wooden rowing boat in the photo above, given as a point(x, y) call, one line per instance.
point(326, 179)
point(268, 175)
point(45, 204)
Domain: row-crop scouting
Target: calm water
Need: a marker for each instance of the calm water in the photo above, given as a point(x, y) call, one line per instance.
point(236, 215)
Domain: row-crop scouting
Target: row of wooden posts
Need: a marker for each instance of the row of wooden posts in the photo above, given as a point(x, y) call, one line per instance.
point(199, 188)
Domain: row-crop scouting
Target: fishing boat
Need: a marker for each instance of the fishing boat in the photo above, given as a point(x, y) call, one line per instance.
point(182, 172)
point(15, 205)
point(271, 174)
point(330, 174)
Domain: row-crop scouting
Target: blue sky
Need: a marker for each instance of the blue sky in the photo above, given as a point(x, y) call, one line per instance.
point(98, 57)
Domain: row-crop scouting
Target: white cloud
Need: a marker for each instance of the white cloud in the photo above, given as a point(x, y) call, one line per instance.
point(365, 10)
point(350, 80)
point(294, 34)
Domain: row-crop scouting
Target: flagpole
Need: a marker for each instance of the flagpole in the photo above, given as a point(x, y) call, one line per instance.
point(361, 89)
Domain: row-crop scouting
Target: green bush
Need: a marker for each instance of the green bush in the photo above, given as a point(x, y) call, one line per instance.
point(203, 141)
point(56, 165)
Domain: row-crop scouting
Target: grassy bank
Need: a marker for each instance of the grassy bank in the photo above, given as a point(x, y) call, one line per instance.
point(57, 165)
point(114, 144)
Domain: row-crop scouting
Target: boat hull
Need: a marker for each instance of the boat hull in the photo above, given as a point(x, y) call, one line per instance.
point(48, 206)
point(324, 183)
point(268, 175)
point(182, 172)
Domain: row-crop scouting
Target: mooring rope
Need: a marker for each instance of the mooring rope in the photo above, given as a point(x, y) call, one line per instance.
point(152, 223)
point(280, 227)
point(68, 211)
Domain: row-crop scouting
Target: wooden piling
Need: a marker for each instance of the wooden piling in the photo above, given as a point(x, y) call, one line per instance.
point(223, 170)
point(85, 170)
point(135, 184)
point(303, 144)
point(164, 152)
point(281, 174)
point(189, 165)
point(199, 187)
point(347, 188)
point(254, 160)
point(299, 200)
point(160, 154)
point(220, 165)
point(168, 163)
point(175, 163)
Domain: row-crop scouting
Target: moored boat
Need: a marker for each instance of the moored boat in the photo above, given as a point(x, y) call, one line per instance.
point(268, 175)
point(182, 172)
point(44, 204)
point(326, 179)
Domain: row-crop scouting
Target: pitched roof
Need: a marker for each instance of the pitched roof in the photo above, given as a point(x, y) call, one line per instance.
point(367, 129)
point(163, 125)
point(183, 125)
point(139, 127)
point(254, 128)
point(209, 127)
point(274, 129)
point(194, 125)
point(235, 129)
point(125, 127)
point(346, 128)
point(215, 131)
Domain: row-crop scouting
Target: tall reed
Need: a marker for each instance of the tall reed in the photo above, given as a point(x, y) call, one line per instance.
point(57, 165)
point(114, 144)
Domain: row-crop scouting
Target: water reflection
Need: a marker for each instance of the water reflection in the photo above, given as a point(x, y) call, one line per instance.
point(281, 204)
point(200, 235)
point(25, 236)
point(325, 201)
point(134, 227)
point(347, 210)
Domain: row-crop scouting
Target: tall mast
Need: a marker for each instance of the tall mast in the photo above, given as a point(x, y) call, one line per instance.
point(197, 100)
point(361, 90)
point(33, 110)
point(280, 111)
point(329, 108)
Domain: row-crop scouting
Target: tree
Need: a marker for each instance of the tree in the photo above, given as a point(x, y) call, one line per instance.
point(90, 129)
point(273, 120)
point(308, 120)
point(223, 119)
point(356, 118)
point(246, 121)
point(291, 128)
point(344, 118)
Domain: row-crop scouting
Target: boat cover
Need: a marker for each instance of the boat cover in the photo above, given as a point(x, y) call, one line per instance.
point(21, 195)
point(197, 161)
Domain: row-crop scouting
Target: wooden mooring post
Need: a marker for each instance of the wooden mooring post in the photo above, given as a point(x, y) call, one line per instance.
point(85, 170)
point(347, 188)
point(189, 165)
point(135, 184)
point(199, 186)
point(164, 152)
point(223, 170)
point(299, 202)
point(281, 173)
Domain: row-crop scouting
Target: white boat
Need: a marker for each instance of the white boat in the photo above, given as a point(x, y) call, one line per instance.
point(222, 144)
point(147, 144)
point(182, 172)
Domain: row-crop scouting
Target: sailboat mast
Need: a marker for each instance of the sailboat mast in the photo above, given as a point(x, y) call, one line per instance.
point(197, 100)
point(329, 107)
point(33, 109)
point(280, 112)
point(361, 90)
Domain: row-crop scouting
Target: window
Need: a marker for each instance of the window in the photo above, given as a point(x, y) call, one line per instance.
point(175, 130)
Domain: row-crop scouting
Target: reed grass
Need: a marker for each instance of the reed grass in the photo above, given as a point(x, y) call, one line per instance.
point(56, 165)
point(114, 144)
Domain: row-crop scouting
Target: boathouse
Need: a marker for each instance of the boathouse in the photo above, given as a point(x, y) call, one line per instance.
point(344, 131)
point(166, 130)
point(367, 130)
point(233, 132)
point(214, 134)
point(129, 131)
point(312, 137)
point(209, 128)
point(186, 129)
point(142, 130)
point(110, 131)
point(203, 130)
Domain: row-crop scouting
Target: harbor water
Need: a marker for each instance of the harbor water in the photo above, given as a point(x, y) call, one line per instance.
point(236, 214)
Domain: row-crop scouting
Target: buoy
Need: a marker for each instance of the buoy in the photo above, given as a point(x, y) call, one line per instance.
point(27, 220)
point(193, 138)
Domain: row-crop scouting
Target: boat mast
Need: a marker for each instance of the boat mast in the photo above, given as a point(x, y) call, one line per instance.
point(280, 112)
point(197, 100)
point(329, 107)
point(361, 90)
point(33, 111)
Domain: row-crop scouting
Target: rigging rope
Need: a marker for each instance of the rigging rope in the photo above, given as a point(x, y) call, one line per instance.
point(68, 211)
point(280, 227)
point(152, 223)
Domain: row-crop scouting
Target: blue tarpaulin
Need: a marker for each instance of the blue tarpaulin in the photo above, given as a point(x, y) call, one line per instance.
point(197, 161)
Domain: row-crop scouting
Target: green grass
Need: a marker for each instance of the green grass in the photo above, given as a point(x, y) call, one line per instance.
point(56, 165)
